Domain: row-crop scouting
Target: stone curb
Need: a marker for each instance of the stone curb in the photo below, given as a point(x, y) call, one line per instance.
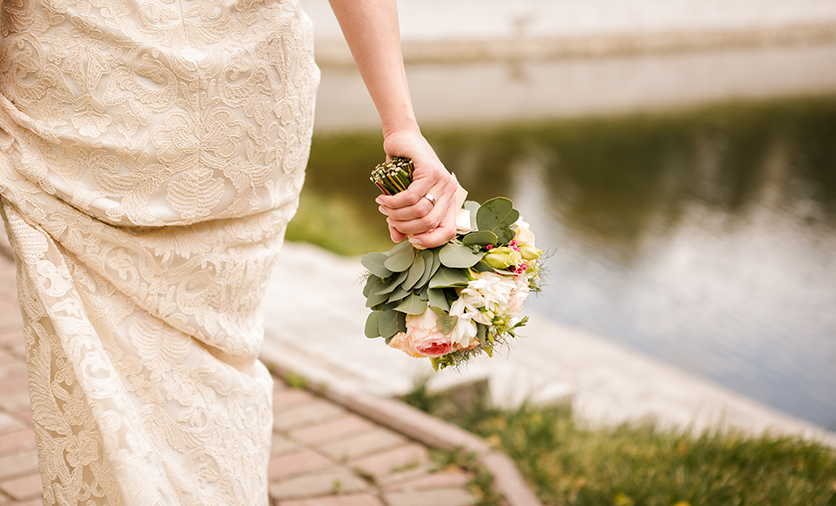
point(335, 52)
point(430, 431)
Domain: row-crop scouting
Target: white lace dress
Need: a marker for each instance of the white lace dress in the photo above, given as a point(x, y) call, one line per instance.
point(151, 154)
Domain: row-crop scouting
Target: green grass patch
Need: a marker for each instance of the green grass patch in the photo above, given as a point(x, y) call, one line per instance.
point(569, 464)
point(333, 223)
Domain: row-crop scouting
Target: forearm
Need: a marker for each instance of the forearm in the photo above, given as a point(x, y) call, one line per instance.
point(371, 30)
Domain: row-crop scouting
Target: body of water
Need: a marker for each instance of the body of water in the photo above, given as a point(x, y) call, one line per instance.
point(705, 238)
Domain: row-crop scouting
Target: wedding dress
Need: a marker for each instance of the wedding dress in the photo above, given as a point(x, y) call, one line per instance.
point(151, 155)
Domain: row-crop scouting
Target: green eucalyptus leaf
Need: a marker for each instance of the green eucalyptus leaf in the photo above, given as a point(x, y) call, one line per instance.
point(400, 257)
point(367, 288)
point(446, 323)
point(394, 283)
point(429, 260)
point(445, 277)
point(412, 305)
point(457, 256)
point(480, 238)
point(436, 261)
point(401, 321)
point(372, 322)
point(388, 323)
point(497, 215)
point(375, 298)
point(373, 262)
point(438, 299)
point(398, 294)
point(415, 273)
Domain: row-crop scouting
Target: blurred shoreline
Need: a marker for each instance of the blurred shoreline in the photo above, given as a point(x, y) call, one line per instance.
point(434, 31)
point(498, 62)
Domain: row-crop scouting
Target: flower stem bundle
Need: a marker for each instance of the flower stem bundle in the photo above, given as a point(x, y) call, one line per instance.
point(393, 176)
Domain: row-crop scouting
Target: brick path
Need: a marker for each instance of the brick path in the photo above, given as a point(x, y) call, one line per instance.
point(322, 455)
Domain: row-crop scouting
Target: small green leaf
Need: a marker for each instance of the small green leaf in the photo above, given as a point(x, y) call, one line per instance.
point(374, 263)
point(388, 323)
point(438, 299)
point(430, 258)
point(425, 293)
point(482, 266)
point(401, 321)
point(400, 257)
point(497, 215)
point(412, 305)
point(372, 324)
point(446, 323)
point(375, 298)
point(415, 273)
point(445, 277)
point(457, 256)
point(480, 238)
point(394, 283)
point(481, 334)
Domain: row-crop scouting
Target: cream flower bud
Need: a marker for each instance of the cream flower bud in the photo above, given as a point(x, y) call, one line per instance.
point(463, 220)
point(524, 235)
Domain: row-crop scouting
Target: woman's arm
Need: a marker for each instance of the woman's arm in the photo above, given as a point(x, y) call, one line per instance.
point(371, 30)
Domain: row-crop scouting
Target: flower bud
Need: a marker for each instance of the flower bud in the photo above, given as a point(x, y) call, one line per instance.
point(529, 252)
point(502, 258)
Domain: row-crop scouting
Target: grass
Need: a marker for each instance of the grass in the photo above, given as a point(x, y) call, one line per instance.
point(569, 464)
point(481, 481)
point(334, 224)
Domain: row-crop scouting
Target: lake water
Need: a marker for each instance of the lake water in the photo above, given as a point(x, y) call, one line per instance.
point(705, 238)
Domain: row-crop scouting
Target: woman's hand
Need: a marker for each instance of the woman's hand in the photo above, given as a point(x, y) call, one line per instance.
point(410, 212)
point(371, 30)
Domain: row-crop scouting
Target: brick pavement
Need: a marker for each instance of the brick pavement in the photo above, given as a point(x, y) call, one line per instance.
point(322, 454)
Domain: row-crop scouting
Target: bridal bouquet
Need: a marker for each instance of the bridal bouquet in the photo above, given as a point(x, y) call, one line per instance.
point(455, 301)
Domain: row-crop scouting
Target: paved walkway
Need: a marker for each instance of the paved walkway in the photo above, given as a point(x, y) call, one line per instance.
point(315, 316)
point(322, 455)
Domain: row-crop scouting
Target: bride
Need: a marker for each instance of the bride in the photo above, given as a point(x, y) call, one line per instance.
point(151, 155)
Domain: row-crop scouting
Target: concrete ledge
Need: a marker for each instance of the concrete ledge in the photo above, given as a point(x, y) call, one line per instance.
point(429, 431)
point(334, 52)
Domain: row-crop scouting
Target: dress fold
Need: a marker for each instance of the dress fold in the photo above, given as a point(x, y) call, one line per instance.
point(148, 168)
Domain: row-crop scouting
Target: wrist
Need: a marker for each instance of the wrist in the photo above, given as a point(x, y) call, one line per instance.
point(408, 126)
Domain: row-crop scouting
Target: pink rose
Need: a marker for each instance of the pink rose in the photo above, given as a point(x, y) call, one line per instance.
point(401, 342)
point(424, 336)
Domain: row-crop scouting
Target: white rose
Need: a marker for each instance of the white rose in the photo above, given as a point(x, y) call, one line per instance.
point(495, 288)
point(519, 293)
point(464, 334)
